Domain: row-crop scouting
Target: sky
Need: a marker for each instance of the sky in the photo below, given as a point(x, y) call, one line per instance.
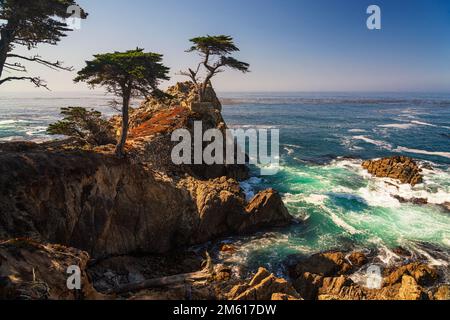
point(291, 45)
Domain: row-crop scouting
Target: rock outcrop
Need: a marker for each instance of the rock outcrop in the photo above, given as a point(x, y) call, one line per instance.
point(401, 168)
point(264, 286)
point(93, 201)
point(328, 276)
point(33, 271)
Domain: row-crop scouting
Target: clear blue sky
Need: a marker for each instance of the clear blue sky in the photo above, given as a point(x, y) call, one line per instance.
point(292, 45)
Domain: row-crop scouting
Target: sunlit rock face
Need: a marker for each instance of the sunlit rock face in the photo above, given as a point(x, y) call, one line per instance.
point(93, 201)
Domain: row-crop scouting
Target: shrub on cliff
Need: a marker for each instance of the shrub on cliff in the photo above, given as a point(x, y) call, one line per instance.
point(215, 53)
point(84, 125)
point(129, 74)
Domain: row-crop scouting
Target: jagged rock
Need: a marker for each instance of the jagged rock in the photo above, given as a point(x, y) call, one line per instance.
point(265, 209)
point(324, 264)
point(107, 206)
point(30, 270)
point(228, 248)
point(417, 201)
point(422, 274)
point(262, 287)
point(142, 204)
point(222, 273)
point(283, 297)
point(400, 168)
point(334, 285)
point(308, 285)
point(358, 259)
point(350, 292)
point(442, 293)
point(410, 290)
point(326, 276)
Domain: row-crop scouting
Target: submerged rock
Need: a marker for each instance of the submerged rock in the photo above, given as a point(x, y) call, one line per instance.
point(400, 168)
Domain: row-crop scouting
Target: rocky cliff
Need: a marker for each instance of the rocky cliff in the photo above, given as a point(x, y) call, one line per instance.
point(90, 200)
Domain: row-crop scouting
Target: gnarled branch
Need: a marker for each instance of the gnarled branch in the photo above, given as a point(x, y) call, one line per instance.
point(38, 82)
point(58, 65)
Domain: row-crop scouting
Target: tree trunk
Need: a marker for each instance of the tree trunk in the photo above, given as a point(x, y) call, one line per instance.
point(5, 42)
point(125, 124)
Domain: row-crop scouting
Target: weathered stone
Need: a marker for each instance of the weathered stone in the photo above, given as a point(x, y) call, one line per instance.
point(227, 248)
point(259, 276)
point(324, 264)
point(308, 284)
point(410, 290)
point(264, 210)
point(30, 270)
point(334, 285)
point(283, 297)
point(442, 293)
point(400, 168)
point(422, 274)
point(262, 287)
point(108, 206)
point(358, 259)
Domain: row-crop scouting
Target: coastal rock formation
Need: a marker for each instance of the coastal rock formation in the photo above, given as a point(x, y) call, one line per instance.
point(264, 286)
point(91, 200)
point(328, 276)
point(33, 271)
point(108, 206)
point(401, 168)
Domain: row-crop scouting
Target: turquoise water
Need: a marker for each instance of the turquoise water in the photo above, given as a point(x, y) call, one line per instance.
point(324, 140)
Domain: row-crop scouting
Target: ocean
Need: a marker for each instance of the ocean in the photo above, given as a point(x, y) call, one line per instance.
point(324, 139)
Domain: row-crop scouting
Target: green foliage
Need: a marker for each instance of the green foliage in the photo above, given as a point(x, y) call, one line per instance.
point(214, 45)
point(215, 52)
point(130, 73)
point(29, 23)
point(127, 74)
point(86, 126)
point(36, 21)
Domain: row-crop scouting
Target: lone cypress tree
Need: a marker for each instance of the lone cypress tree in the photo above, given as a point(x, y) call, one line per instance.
point(129, 74)
point(215, 52)
point(30, 23)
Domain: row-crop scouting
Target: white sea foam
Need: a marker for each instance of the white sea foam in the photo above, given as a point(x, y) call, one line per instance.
point(248, 187)
point(340, 222)
point(379, 143)
point(397, 125)
point(289, 150)
point(382, 192)
point(316, 199)
point(431, 260)
point(4, 122)
point(356, 130)
point(425, 152)
point(12, 138)
point(428, 124)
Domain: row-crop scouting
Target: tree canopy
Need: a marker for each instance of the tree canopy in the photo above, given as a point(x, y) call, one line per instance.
point(133, 71)
point(216, 54)
point(30, 23)
point(129, 74)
